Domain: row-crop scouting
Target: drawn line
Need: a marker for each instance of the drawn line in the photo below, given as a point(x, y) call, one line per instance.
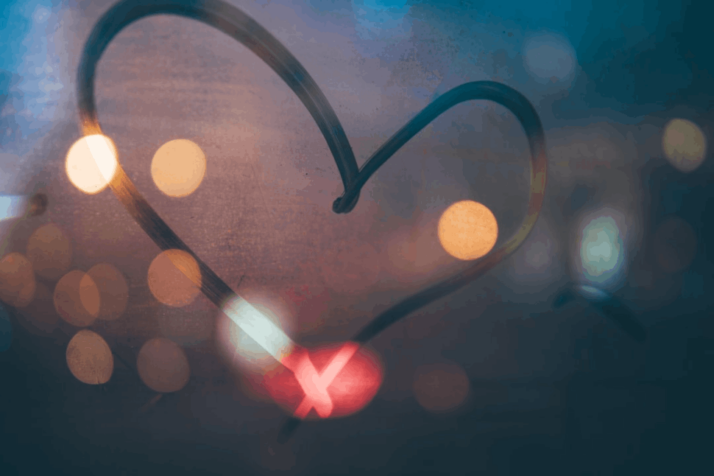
point(236, 24)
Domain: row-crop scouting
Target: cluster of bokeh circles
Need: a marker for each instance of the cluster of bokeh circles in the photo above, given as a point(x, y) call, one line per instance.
point(42, 284)
point(80, 298)
point(603, 233)
point(173, 277)
point(467, 230)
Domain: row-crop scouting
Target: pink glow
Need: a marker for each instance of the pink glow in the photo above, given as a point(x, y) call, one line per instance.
point(335, 381)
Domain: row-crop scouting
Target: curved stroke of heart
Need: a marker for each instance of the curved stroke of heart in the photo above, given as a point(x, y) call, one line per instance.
point(236, 24)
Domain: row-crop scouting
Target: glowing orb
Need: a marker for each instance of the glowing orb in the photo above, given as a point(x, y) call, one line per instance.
point(91, 163)
point(441, 388)
point(468, 230)
point(549, 58)
point(332, 381)
point(601, 249)
point(178, 167)
point(163, 365)
point(684, 144)
point(174, 278)
point(113, 291)
point(76, 298)
point(89, 358)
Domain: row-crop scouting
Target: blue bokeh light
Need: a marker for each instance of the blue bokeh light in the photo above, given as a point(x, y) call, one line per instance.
point(549, 58)
point(602, 250)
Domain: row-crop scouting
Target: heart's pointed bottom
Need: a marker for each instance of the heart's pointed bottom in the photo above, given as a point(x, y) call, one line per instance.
point(340, 206)
point(354, 375)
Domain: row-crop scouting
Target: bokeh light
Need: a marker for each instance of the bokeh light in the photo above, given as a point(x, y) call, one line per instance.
point(441, 387)
point(113, 291)
point(178, 167)
point(89, 358)
point(17, 280)
point(163, 365)
point(174, 278)
point(675, 244)
point(549, 58)
point(5, 329)
point(467, 230)
point(77, 299)
point(602, 251)
point(50, 252)
point(91, 163)
point(684, 144)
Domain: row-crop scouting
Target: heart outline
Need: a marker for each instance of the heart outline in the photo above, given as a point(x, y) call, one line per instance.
point(236, 24)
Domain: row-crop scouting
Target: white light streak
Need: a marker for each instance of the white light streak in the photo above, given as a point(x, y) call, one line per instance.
point(259, 327)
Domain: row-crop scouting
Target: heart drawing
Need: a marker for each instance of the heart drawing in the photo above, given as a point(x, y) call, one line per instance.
point(331, 381)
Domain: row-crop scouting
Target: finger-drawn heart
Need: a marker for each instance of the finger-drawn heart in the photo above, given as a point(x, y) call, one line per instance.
point(313, 384)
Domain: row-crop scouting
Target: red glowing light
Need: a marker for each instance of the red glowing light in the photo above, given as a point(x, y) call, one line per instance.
point(334, 381)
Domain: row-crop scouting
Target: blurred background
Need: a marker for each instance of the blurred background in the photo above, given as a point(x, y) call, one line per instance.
point(111, 364)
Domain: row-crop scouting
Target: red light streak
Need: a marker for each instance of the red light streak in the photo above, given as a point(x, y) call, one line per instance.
point(315, 385)
point(335, 381)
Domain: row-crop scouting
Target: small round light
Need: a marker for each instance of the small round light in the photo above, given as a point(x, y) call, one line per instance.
point(91, 163)
point(441, 388)
point(684, 144)
point(174, 278)
point(468, 230)
point(549, 58)
point(178, 167)
point(89, 358)
point(113, 291)
point(77, 299)
point(601, 249)
point(163, 365)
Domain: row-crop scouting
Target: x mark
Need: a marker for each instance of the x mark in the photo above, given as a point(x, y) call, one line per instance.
point(314, 384)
